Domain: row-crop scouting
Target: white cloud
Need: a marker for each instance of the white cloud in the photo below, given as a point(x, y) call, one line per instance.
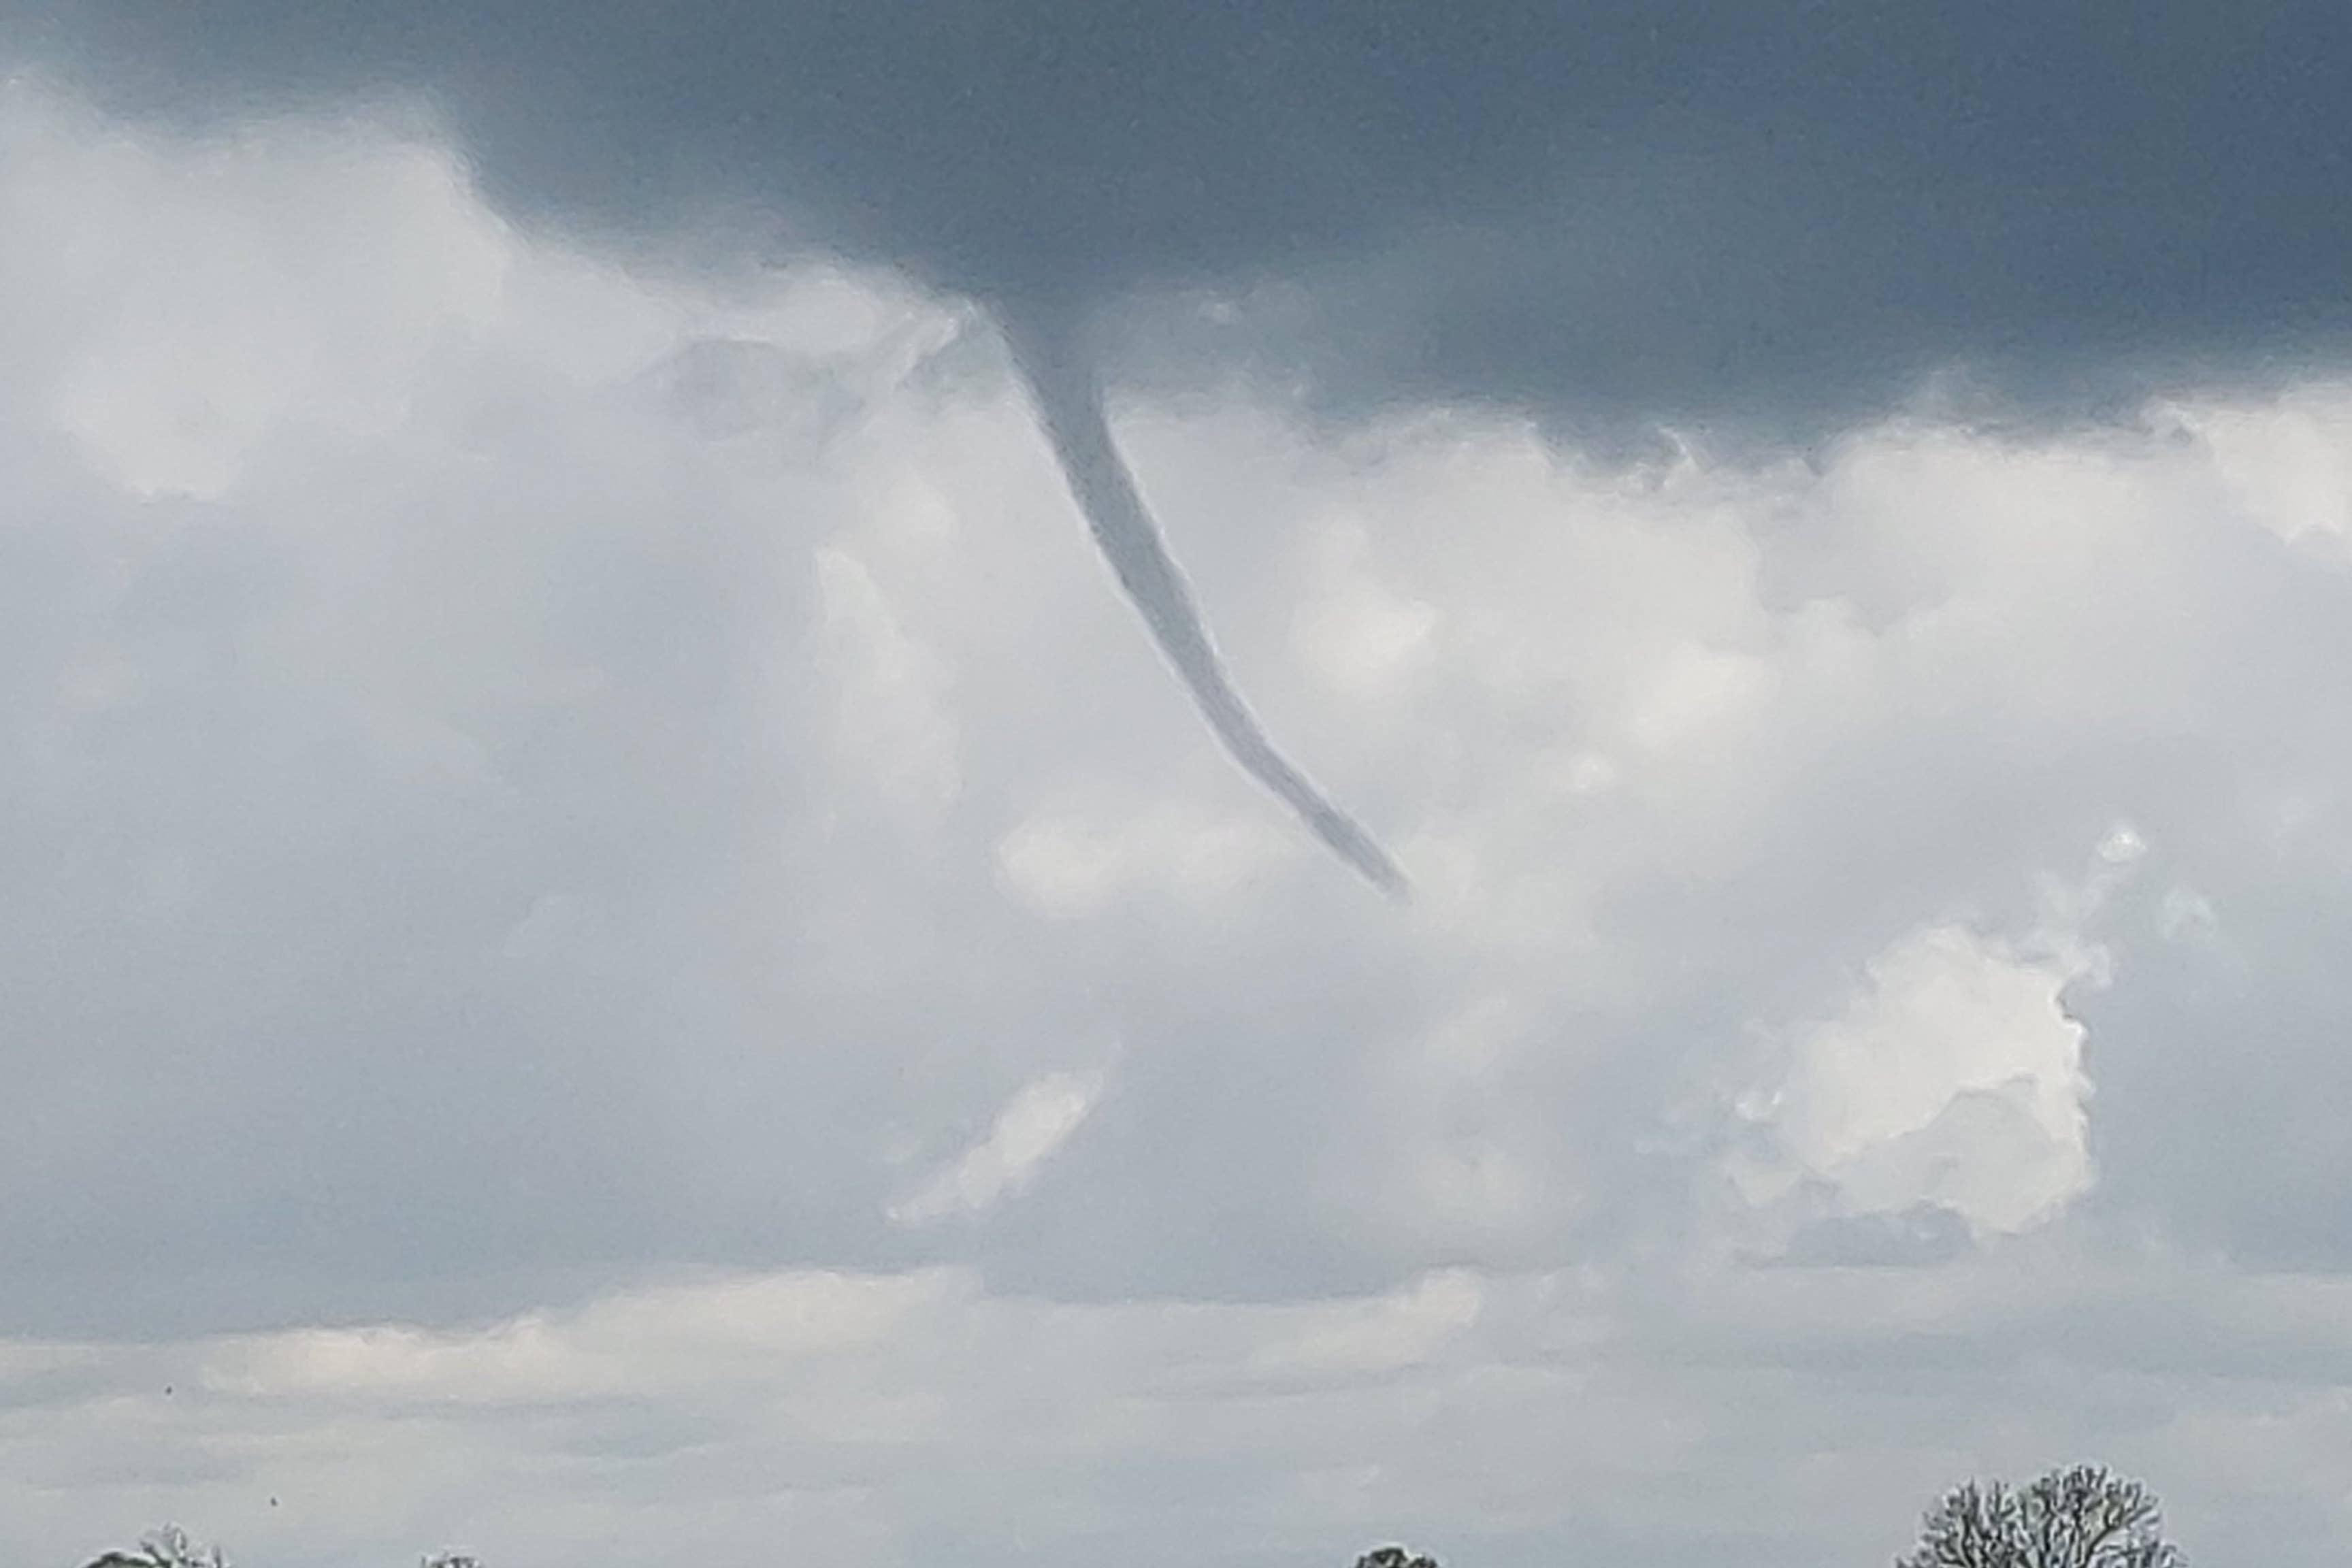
point(1362, 635)
point(2187, 915)
point(656, 1342)
point(171, 377)
point(1402, 1329)
point(1069, 861)
point(1954, 1076)
point(1034, 1123)
point(892, 724)
point(2286, 460)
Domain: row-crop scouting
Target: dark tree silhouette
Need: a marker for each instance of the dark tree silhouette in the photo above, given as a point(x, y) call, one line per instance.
point(2086, 1517)
point(170, 1547)
point(1394, 1557)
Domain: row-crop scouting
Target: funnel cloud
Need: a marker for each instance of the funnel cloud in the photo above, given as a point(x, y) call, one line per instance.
point(1069, 396)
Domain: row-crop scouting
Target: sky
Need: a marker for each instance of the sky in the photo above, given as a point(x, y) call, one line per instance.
point(617, 942)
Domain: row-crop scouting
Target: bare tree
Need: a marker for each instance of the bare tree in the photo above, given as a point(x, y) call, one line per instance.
point(2085, 1517)
point(170, 1547)
point(1394, 1557)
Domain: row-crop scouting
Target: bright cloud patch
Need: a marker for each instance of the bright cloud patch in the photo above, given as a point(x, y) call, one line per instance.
point(1396, 1331)
point(1034, 1124)
point(1066, 863)
point(1954, 1079)
point(2290, 465)
point(654, 1342)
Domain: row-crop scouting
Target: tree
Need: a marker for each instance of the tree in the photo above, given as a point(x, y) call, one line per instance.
point(171, 1547)
point(2086, 1517)
point(168, 1547)
point(1394, 1557)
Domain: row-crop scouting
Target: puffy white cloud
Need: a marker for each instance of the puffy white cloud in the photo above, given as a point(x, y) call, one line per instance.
point(2288, 464)
point(1953, 1079)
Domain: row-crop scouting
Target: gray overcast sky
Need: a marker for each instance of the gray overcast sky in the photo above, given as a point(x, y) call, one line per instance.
point(614, 937)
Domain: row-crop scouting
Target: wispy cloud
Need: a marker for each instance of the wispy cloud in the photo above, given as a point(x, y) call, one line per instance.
point(1030, 1128)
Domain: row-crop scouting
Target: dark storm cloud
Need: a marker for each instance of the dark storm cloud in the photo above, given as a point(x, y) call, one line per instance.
point(1617, 211)
point(1766, 218)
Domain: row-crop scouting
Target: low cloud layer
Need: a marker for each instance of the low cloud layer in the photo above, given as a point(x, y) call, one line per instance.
point(1800, 1417)
point(559, 796)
